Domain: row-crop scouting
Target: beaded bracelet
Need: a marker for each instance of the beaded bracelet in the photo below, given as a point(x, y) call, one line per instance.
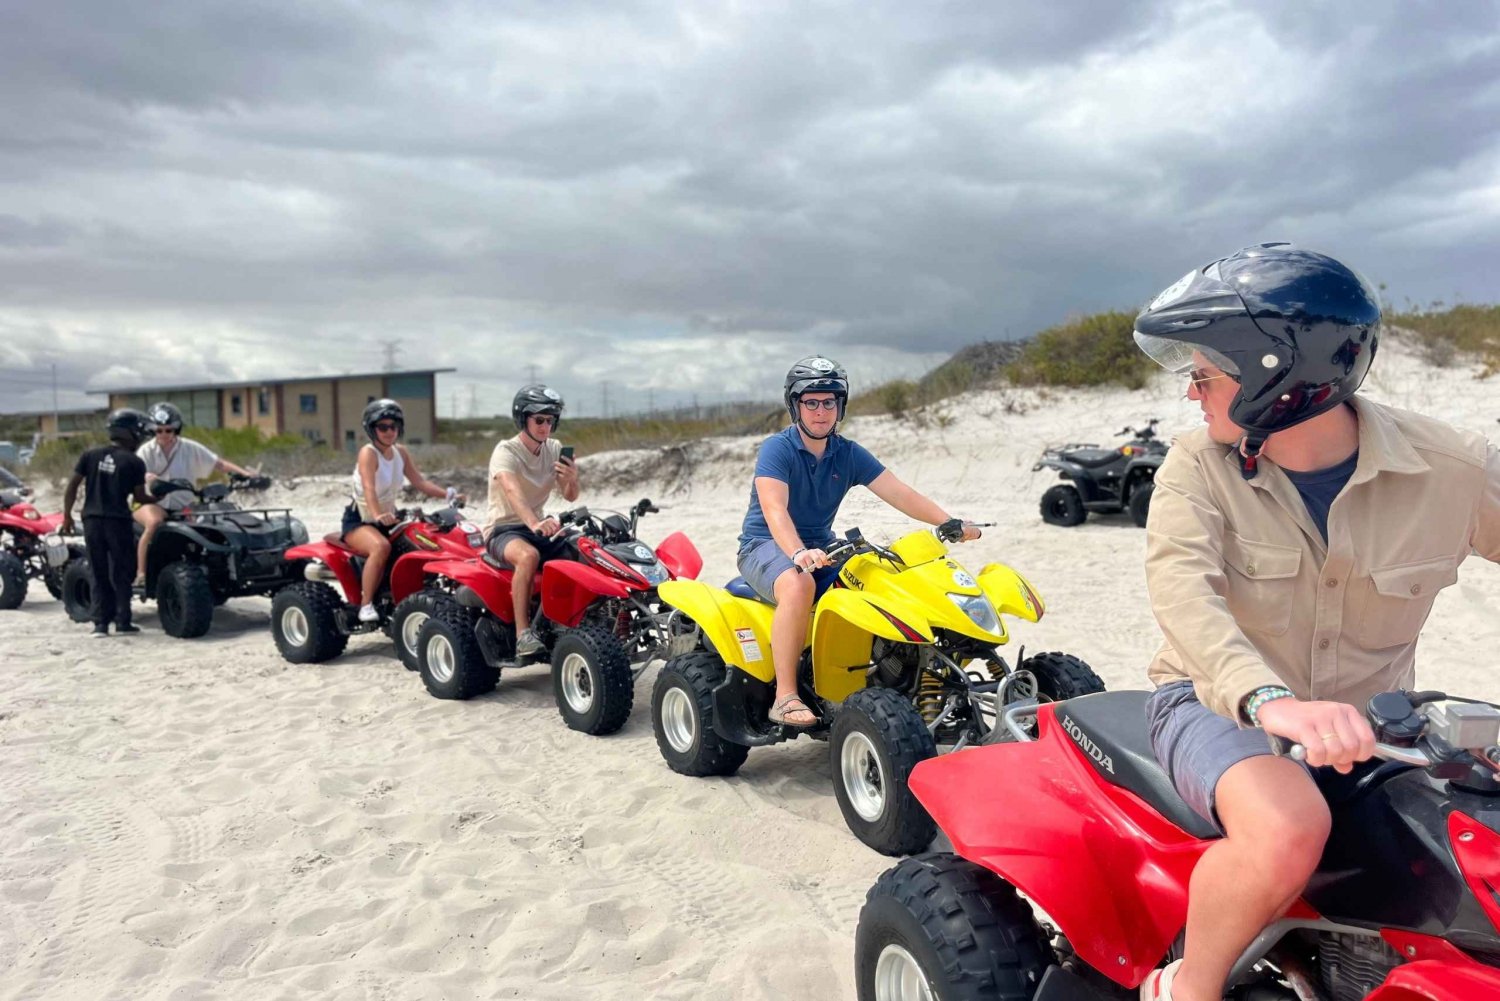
point(1262, 695)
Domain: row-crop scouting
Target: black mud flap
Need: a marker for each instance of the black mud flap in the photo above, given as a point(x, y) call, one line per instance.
point(1060, 985)
point(740, 706)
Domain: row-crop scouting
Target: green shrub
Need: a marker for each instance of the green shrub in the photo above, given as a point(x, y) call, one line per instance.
point(1096, 350)
point(1467, 331)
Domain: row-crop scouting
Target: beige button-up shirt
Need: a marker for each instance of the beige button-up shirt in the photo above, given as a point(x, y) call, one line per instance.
point(1248, 594)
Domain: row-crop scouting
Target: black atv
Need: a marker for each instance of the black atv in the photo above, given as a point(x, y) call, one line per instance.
point(1104, 480)
point(203, 555)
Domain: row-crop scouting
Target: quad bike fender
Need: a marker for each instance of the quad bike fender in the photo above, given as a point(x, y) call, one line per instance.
point(1011, 593)
point(410, 571)
point(170, 542)
point(845, 622)
point(569, 588)
point(1110, 870)
point(492, 586)
point(1439, 980)
point(25, 519)
point(738, 629)
point(337, 562)
point(681, 558)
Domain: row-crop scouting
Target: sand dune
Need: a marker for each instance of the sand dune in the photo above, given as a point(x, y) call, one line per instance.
point(200, 819)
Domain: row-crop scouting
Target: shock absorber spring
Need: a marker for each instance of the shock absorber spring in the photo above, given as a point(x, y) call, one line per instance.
point(929, 696)
point(997, 669)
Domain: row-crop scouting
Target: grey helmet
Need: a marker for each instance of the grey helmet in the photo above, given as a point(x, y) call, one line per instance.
point(383, 410)
point(815, 374)
point(165, 415)
point(127, 427)
point(535, 399)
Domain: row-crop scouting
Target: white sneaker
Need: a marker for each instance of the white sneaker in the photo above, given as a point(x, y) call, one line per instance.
point(367, 613)
point(1158, 983)
point(528, 643)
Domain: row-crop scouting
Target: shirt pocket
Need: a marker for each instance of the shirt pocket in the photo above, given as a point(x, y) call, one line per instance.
point(1261, 582)
point(1399, 598)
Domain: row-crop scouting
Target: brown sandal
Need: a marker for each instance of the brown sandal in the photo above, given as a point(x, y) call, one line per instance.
point(791, 704)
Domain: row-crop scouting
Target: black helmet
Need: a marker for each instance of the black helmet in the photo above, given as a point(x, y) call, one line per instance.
point(535, 400)
point(165, 415)
point(127, 427)
point(383, 410)
point(815, 374)
point(1296, 329)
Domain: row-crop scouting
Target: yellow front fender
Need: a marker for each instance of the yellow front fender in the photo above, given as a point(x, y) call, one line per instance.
point(1011, 593)
point(738, 629)
point(844, 626)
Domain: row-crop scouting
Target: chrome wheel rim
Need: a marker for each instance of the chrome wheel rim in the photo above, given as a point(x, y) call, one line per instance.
point(294, 626)
point(679, 719)
point(864, 779)
point(410, 626)
point(441, 663)
point(899, 977)
point(577, 683)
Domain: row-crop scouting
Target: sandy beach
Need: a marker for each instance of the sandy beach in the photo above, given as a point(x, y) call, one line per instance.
point(200, 819)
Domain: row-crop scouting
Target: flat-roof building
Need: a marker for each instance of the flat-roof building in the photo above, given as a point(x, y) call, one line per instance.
point(322, 409)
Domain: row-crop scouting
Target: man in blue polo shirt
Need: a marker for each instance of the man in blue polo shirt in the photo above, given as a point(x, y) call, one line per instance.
point(801, 477)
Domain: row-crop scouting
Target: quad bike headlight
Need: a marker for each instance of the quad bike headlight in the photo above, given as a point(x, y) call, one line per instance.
point(299, 531)
point(655, 573)
point(979, 610)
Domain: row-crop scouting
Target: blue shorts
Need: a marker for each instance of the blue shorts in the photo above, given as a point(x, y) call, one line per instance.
point(1196, 745)
point(761, 561)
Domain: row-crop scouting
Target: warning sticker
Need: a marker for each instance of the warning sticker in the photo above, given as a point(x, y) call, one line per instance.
point(748, 646)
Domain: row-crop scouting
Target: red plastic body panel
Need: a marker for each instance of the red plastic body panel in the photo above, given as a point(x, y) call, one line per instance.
point(14, 518)
point(569, 588)
point(335, 558)
point(1477, 851)
point(410, 571)
point(492, 585)
point(406, 575)
point(1439, 980)
point(681, 558)
point(1110, 870)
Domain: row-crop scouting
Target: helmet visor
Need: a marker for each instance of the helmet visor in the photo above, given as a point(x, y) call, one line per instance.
point(1178, 356)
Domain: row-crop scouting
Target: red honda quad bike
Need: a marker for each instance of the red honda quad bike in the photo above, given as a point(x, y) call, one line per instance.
point(1076, 815)
point(30, 547)
point(598, 615)
point(312, 621)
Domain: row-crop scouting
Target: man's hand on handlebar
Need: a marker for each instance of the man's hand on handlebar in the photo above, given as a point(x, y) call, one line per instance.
point(548, 527)
point(1333, 733)
point(811, 559)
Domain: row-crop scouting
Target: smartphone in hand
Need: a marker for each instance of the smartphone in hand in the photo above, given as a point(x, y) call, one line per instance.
point(567, 453)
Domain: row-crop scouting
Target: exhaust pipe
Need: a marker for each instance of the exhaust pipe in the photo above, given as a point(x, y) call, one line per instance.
point(319, 571)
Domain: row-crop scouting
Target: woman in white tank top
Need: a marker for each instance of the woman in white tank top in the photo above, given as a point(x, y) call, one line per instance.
point(378, 473)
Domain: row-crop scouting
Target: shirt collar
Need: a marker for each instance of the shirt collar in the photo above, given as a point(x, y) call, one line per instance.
point(1382, 446)
point(795, 434)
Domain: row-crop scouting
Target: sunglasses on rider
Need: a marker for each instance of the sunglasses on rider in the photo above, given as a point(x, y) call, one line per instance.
point(811, 405)
point(1198, 376)
point(386, 426)
point(543, 419)
point(166, 430)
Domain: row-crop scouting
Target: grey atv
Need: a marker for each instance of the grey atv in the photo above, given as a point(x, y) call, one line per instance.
point(204, 555)
point(1103, 480)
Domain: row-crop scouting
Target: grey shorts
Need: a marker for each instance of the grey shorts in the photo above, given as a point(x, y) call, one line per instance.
point(761, 561)
point(1196, 745)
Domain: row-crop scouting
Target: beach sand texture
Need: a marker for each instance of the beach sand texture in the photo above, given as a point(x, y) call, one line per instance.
point(200, 819)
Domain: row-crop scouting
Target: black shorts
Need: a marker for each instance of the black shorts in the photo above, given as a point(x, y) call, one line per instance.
point(352, 520)
point(554, 548)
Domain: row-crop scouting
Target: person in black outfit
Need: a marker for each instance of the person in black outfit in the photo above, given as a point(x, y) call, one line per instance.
point(112, 474)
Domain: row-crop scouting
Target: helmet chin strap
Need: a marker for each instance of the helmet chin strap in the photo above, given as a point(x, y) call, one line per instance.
point(816, 437)
point(1250, 449)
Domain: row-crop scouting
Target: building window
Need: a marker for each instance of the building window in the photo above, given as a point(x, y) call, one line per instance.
point(263, 401)
point(349, 442)
point(236, 404)
point(409, 387)
point(312, 435)
point(309, 403)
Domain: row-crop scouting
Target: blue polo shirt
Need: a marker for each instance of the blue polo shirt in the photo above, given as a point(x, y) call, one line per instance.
point(815, 487)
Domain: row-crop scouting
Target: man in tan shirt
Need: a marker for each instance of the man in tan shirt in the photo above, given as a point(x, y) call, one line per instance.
point(524, 470)
point(1294, 549)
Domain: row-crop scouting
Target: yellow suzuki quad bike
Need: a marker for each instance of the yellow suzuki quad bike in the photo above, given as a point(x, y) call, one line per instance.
point(902, 659)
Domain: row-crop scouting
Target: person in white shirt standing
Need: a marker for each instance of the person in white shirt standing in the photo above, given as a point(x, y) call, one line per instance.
point(524, 470)
point(169, 456)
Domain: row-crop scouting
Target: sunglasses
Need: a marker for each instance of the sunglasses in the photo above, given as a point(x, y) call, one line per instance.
point(544, 421)
point(811, 405)
point(386, 426)
point(166, 431)
point(1198, 376)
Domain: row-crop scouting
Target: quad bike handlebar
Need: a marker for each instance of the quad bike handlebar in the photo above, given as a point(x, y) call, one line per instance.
point(854, 542)
point(1146, 433)
point(160, 488)
point(1458, 742)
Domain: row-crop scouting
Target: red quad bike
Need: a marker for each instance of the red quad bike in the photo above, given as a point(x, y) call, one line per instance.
point(1077, 815)
point(312, 621)
point(597, 614)
point(30, 547)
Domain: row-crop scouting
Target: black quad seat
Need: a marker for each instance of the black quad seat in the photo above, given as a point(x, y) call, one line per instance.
point(1116, 723)
point(1093, 458)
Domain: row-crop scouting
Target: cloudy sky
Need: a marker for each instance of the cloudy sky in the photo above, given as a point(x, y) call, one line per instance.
point(680, 198)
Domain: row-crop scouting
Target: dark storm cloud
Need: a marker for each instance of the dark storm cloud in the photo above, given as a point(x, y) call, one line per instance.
point(629, 184)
